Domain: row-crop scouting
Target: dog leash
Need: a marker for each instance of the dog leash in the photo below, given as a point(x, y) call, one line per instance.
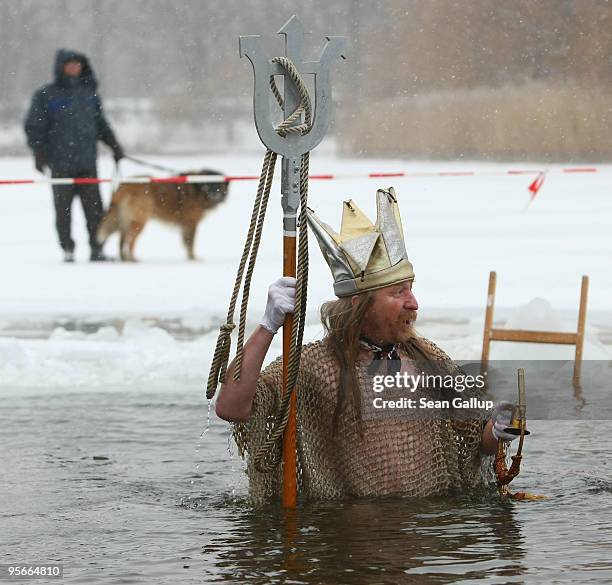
point(144, 163)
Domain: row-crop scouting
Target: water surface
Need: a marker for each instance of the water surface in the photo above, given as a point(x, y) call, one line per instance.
point(121, 488)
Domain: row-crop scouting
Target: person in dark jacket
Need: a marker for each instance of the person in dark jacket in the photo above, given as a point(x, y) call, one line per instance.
point(63, 126)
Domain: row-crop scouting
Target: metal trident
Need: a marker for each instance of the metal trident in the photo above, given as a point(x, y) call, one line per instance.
point(293, 144)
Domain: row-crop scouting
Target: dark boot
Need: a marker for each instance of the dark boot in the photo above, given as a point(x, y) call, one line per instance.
point(97, 255)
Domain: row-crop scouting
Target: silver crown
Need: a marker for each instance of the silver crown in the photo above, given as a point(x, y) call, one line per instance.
point(365, 256)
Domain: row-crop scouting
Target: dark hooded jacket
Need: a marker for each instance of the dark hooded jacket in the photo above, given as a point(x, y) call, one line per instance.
point(66, 120)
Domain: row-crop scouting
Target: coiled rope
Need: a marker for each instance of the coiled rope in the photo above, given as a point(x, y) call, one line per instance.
point(269, 454)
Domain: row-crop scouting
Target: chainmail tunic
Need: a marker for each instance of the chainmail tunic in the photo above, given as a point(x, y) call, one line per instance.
point(412, 458)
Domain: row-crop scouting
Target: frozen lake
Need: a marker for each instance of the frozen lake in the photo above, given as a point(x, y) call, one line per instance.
point(112, 466)
point(155, 322)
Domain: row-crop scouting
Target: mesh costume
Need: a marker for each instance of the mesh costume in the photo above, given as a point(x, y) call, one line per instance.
point(412, 458)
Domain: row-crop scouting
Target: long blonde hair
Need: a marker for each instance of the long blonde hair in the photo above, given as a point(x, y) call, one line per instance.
point(342, 320)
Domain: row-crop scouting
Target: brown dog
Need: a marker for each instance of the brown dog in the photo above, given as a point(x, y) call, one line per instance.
point(183, 204)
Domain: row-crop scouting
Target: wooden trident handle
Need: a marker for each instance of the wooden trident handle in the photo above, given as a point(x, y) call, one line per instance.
point(289, 438)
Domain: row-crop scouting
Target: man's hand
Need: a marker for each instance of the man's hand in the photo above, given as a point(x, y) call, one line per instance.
point(118, 153)
point(40, 161)
point(281, 300)
point(501, 418)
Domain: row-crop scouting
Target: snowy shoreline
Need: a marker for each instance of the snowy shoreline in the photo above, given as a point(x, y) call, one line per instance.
point(154, 324)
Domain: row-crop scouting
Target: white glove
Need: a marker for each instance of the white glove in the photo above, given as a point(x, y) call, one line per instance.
point(281, 300)
point(502, 417)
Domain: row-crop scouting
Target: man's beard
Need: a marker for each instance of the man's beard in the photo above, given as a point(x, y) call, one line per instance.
point(405, 326)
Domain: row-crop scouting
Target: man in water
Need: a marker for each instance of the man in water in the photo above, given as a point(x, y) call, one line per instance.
point(345, 448)
point(63, 126)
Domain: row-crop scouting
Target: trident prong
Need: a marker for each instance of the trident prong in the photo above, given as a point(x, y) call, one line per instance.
point(293, 30)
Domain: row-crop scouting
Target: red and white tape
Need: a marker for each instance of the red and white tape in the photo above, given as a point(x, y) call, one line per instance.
point(533, 187)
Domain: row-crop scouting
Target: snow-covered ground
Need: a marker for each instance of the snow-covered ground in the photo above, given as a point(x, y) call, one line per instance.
point(457, 229)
